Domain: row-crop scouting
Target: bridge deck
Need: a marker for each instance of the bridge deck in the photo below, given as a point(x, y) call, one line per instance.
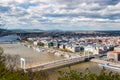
point(57, 63)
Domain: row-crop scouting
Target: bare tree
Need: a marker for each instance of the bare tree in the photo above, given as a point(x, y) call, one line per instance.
point(12, 61)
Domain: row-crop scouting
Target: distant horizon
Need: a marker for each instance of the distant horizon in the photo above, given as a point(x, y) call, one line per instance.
point(62, 30)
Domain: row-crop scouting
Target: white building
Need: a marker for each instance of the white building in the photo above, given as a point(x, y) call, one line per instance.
point(35, 43)
point(92, 49)
point(73, 48)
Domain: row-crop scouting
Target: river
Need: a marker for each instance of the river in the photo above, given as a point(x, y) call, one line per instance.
point(33, 58)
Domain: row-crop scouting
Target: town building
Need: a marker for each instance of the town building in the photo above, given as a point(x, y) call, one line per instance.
point(113, 55)
point(73, 48)
point(91, 49)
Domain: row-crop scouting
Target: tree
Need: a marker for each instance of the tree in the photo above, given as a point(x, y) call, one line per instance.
point(18, 74)
point(2, 58)
point(74, 75)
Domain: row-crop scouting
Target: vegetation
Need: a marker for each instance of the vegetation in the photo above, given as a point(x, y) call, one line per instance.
point(18, 74)
point(74, 75)
point(90, 52)
point(85, 53)
point(65, 50)
point(81, 53)
point(29, 41)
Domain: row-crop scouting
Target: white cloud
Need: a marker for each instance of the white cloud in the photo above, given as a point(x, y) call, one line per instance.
point(112, 9)
point(60, 12)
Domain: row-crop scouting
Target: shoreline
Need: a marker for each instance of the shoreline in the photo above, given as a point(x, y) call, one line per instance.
point(106, 63)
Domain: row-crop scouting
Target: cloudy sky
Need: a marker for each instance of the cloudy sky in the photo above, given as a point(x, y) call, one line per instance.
point(61, 14)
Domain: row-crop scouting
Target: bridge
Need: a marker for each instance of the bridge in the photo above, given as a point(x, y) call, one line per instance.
point(57, 63)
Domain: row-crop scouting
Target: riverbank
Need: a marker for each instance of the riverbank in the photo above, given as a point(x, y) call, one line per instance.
point(105, 62)
point(112, 65)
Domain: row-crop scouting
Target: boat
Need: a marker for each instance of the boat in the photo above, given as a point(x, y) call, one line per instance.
point(109, 66)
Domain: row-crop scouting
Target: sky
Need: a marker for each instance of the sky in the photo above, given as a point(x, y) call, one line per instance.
point(61, 14)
